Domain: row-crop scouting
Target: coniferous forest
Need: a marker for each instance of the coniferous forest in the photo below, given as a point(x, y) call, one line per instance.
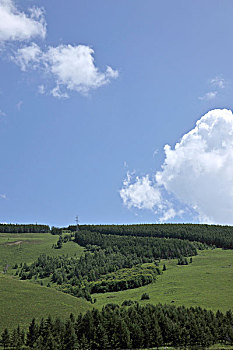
point(216, 235)
point(123, 327)
point(15, 228)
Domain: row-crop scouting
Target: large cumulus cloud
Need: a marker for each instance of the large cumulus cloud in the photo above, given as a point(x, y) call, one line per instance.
point(199, 170)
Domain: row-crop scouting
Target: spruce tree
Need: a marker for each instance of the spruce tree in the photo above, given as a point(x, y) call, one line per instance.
point(5, 339)
point(32, 334)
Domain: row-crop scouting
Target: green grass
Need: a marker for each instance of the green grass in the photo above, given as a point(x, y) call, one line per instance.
point(20, 301)
point(207, 282)
point(31, 246)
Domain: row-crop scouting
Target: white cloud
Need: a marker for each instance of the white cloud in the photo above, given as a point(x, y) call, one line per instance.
point(168, 214)
point(110, 73)
point(41, 89)
point(16, 25)
point(3, 196)
point(218, 82)
point(209, 96)
point(56, 92)
point(140, 194)
point(28, 56)
point(199, 170)
point(71, 67)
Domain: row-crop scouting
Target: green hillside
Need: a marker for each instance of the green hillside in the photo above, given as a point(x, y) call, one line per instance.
point(20, 301)
point(207, 282)
point(26, 247)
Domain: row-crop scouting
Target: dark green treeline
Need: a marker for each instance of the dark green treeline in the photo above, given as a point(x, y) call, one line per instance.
point(15, 228)
point(133, 327)
point(219, 236)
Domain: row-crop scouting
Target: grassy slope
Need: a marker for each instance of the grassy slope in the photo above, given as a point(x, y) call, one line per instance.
point(33, 244)
point(207, 282)
point(20, 301)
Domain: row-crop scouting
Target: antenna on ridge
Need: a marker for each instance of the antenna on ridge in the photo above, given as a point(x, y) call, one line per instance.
point(77, 223)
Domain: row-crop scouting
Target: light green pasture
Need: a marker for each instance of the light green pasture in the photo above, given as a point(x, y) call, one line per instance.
point(26, 247)
point(207, 282)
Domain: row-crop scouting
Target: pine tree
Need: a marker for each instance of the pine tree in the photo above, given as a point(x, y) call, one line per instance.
point(84, 344)
point(32, 334)
point(101, 338)
point(69, 336)
point(5, 339)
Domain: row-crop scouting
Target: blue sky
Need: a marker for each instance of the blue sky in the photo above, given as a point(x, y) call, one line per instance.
point(92, 91)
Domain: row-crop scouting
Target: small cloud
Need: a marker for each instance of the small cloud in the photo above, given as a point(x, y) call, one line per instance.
point(156, 151)
point(218, 82)
point(41, 89)
point(208, 96)
point(27, 57)
point(56, 92)
point(19, 105)
point(168, 214)
point(3, 196)
point(112, 73)
point(71, 67)
point(141, 193)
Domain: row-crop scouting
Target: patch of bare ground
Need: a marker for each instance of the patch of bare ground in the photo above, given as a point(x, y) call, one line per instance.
point(14, 243)
point(20, 242)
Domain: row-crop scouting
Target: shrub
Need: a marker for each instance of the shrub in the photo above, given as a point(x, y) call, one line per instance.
point(145, 296)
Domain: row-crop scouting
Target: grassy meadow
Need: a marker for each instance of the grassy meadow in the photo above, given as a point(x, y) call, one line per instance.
point(20, 301)
point(207, 282)
point(27, 247)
